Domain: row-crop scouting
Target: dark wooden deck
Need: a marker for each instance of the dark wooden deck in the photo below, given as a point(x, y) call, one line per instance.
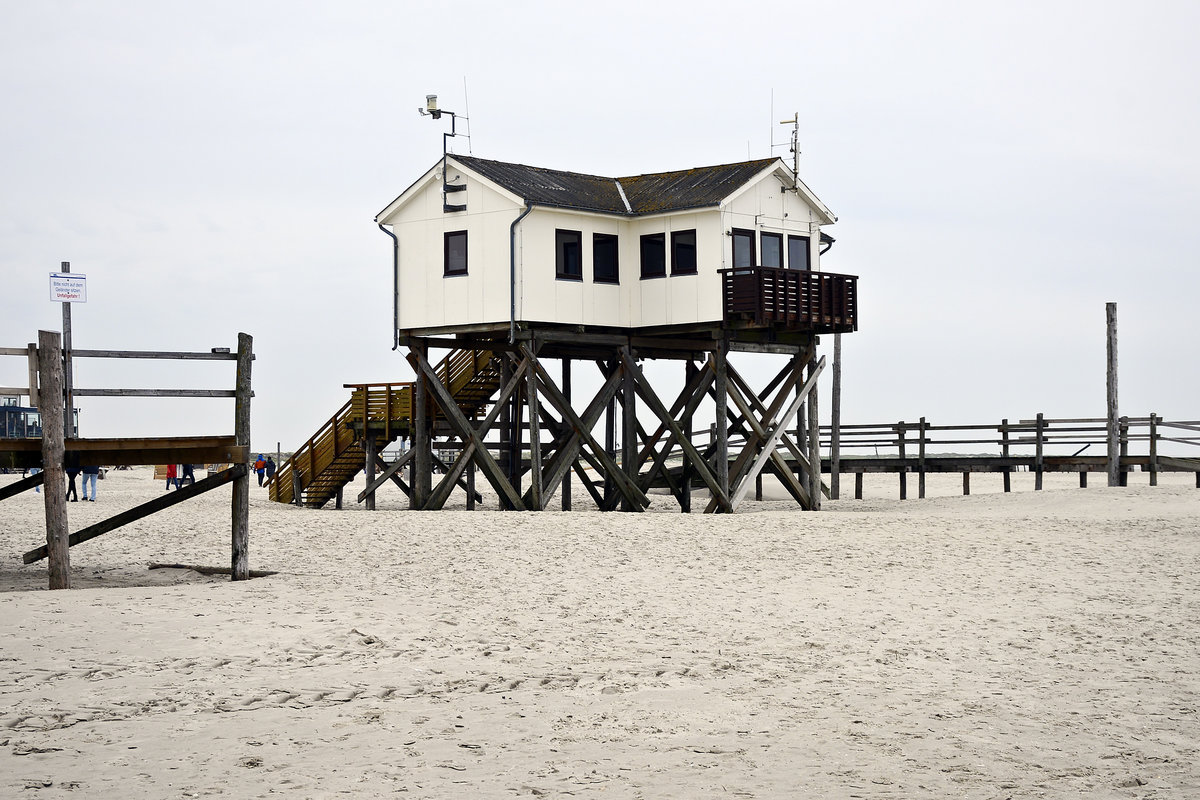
point(819, 302)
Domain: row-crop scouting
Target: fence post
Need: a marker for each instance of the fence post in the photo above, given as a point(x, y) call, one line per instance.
point(1114, 464)
point(903, 463)
point(1153, 449)
point(921, 460)
point(240, 552)
point(1038, 452)
point(1124, 451)
point(1005, 452)
point(54, 492)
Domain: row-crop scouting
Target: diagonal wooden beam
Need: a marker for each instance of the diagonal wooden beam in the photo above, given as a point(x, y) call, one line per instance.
point(786, 476)
point(144, 510)
point(628, 489)
point(462, 483)
point(389, 470)
point(660, 410)
point(454, 416)
point(776, 431)
point(441, 492)
point(688, 400)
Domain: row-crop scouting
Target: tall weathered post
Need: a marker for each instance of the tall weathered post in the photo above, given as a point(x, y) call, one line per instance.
point(50, 369)
point(240, 555)
point(835, 421)
point(1114, 426)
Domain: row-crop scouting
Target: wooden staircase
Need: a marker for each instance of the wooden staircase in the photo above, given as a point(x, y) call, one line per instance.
point(383, 411)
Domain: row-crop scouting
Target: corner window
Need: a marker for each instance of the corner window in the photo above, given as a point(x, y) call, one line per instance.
point(743, 248)
point(772, 250)
point(683, 252)
point(568, 255)
point(798, 257)
point(654, 255)
point(605, 268)
point(456, 253)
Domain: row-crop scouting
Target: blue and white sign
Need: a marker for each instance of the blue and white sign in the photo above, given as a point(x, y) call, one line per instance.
point(68, 287)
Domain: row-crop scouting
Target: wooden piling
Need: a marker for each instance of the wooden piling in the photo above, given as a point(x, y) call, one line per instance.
point(240, 554)
point(1114, 466)
point(835, 422)
point(1153, 449)
point(54, 491)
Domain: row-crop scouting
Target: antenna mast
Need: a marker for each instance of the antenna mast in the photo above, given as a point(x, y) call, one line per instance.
point(795, 123)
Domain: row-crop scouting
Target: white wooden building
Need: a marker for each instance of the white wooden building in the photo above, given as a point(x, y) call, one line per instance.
point(488, 245)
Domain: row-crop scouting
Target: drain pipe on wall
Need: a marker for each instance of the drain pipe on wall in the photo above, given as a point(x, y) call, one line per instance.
point(395, 285)
point(512, 274)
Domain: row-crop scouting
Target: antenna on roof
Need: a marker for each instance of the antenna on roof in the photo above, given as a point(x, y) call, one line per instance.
point(795, 146)
point(431, 110)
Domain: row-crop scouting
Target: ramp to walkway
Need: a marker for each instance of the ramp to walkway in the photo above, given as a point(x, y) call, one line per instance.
point(336, 453)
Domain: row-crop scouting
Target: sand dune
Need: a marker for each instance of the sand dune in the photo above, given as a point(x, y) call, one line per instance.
point(992, 646)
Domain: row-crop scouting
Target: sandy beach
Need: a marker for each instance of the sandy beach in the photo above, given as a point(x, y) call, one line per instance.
point(992, 646)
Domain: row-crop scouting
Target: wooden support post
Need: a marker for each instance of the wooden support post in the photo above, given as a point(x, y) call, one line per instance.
point(966, 483)
point(505, 422)
point(566, 481)
point(858, 485)
point(1038, 454)
point(338, 499)
point(240, 555)
point(54, 490)
point(721, 396)
point(835, 422)
point(422, 442)
point(1124, 430)
point(921, 460)
point(515, 460)
point(1004, 452)
point(297, 484)
point(535, 442)
point(369, 454)
point(1114, 465)
point(685, 477)
point(814, 436)
point(1083, 479)
point(610, 445)
point(629, 448)
point(1153, 449)
point(758, 487)
point(471, 486)
point(900, 430)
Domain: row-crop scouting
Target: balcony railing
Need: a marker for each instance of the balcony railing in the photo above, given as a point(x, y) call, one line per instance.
point(821, 302)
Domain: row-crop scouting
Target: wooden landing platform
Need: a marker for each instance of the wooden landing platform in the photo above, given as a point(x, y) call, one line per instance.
point(26, 453)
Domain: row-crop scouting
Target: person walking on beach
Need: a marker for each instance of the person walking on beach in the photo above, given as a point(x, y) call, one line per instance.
point(188, 475)
point(90, 474)
point(270, 468)
point(172, 477)
point(72, 492)
point(260, 466)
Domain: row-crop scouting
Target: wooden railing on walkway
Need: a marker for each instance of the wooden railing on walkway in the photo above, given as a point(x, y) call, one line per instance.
point(822, 302)
point(1038, 445)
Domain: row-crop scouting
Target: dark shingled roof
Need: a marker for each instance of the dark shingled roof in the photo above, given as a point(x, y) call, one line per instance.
point(647, 194)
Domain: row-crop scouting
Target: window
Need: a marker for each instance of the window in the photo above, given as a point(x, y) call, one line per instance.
point(743, 248)
point(683, 252)
point(772, 250)
point(456, 253)
point(654, 255)
point(798, 253)
point(568, 255)
point(605, 268)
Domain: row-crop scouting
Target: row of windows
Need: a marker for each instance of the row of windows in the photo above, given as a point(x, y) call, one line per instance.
point(568, 253)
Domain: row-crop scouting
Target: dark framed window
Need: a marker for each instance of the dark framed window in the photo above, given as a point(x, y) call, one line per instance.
point(772, 250)
point(605, 267)
point(654, 255)
point(456, 253)
point(568, 255)
point(683, 252)
point(743, 248)
point(798, 254)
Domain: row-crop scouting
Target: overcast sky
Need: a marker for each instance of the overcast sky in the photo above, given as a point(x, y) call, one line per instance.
point(999, 171)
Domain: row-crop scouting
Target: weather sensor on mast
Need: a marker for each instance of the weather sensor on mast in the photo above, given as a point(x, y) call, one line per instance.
point(431, 110)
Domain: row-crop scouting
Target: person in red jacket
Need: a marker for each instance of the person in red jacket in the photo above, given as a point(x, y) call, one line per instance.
point(260, 466)
point(172, 477)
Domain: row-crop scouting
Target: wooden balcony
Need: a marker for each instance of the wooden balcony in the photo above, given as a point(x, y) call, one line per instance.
point(821, 302)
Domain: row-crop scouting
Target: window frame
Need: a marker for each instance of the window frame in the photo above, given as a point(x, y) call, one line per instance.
point(447, 272)
point(616, 258)
point(675, 236)
point(807, 245)
point(560, 240)
point(661, 240)
point(764, 237)
point(752, 238)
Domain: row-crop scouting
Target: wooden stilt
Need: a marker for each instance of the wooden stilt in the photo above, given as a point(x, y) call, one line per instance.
point(54, 490)
point(814, 435)
point(685, 492)
point(1114, 464)
point(835, 422)
point(858, 485)
point(566, 481)
point(966, 483)
point(721, 395)
point(369, 456)
point(1004, 452)
point(422, 443)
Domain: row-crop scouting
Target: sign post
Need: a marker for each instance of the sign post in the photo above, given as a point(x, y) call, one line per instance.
point(66, 288)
